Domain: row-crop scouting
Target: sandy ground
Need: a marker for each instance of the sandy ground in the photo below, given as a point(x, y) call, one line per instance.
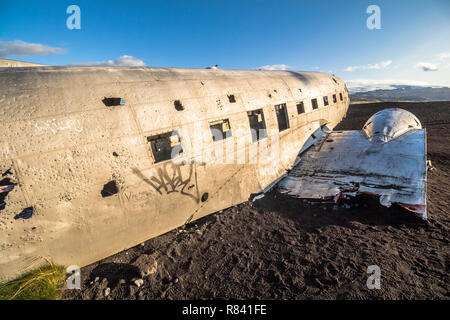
point(282, 248)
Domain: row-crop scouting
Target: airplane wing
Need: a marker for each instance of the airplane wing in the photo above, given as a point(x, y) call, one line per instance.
point(387, 158)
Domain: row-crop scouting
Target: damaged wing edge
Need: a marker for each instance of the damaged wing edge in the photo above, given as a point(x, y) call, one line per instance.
point(389, 162)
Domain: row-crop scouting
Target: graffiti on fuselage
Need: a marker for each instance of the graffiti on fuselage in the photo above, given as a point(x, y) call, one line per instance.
point(169, 179)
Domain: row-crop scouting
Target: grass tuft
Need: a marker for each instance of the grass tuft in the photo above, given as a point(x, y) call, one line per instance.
point(43, 283)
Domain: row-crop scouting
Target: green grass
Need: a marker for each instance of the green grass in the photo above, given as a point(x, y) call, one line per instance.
point(43, 283)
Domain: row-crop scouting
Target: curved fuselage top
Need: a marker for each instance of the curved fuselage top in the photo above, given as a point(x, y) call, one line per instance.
point(39, 92)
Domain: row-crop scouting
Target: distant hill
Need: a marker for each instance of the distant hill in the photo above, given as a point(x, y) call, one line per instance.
point(403, 93)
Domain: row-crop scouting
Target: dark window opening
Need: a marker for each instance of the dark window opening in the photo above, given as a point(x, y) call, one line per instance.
point(26, 213)
point(111, 102)
point(110, 189)
point(220, 130)
point(334, 98)
point(178, 105)
point(300, 108)
point(335, 80)
point(325, 101)
point(300, 90)
point(231, 98)
point(205, 196)
point(165, 146)
point(340, 95)
point(315, 105)
point(257, 124)
point(282, 117)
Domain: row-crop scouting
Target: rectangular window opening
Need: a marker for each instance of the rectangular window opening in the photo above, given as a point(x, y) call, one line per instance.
point(111, 102)
point(178, 105)
point(257, 124)
point(220, 130)
point(325, 101)
point(282, 117)
point(165, 146)
point(314, 103)
point(340, 95)
point(301, 107)
point(231, 98)
point(334, 98)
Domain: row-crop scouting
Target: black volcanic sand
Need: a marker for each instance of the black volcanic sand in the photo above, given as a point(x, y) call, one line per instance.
point(282, 248)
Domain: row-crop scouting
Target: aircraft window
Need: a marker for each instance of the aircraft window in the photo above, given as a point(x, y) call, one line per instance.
point(220, 130)
point(340, 95)
point(325, 101)
point(178, 105)
point(301, 107)
point(282, 117)
point(110, 102)
point(315, 105)
point(257, 124)
point(334, 98)
point(165, 146)
point(109, 189)
point(231, 98)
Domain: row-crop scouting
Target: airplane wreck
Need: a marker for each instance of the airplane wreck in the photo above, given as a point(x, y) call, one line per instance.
point(95, 160)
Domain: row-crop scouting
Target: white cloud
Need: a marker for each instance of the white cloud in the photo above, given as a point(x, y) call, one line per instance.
point(377, 66)
point(21, 48)
point(123, 61)
point(274, 67)
point(426, 66)
point(361, 85)
point(444, 55)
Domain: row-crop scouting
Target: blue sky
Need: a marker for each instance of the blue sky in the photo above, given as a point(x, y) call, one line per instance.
point(412, 46)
